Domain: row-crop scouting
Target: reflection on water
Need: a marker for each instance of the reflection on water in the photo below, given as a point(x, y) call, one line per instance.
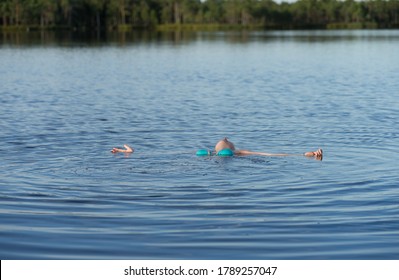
point(69, 38)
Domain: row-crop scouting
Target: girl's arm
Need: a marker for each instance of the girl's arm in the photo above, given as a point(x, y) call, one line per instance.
point(317, 154)
point(127, 149)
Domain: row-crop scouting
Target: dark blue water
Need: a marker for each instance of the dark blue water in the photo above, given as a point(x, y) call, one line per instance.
point(64, 105)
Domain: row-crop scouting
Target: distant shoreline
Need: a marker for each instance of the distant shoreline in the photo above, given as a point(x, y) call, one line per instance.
point(213, 15)
point(200, 27)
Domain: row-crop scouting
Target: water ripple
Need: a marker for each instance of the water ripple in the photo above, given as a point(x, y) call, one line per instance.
point(63, 195)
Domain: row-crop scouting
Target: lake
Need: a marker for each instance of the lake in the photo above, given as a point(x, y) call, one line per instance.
point(66, 101)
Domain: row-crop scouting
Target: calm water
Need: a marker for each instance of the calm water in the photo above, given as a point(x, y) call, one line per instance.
point(65, 103)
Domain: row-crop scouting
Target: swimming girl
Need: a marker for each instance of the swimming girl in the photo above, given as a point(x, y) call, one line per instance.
point(225, 144)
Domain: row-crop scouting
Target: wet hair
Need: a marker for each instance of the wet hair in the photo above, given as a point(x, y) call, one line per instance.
point(224, 144)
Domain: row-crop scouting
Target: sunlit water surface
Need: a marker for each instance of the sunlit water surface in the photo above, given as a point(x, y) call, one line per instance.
point(65, 104)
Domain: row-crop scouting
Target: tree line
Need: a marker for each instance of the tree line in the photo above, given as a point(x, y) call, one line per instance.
point(113, 14)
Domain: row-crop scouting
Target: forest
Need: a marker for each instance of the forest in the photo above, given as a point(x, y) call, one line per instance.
point(128, 14)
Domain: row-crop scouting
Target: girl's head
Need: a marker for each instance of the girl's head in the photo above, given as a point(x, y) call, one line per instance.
point(224, 144)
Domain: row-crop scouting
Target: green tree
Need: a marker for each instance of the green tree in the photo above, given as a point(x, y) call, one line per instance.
point(16, 11)
point(189, 10)
point(5, 11)
point(213, 11)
